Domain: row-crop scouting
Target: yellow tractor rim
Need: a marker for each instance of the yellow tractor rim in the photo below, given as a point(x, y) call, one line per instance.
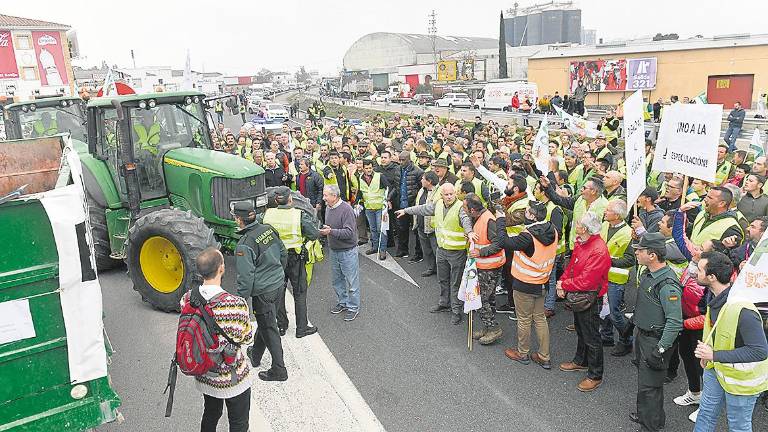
point(161, 264)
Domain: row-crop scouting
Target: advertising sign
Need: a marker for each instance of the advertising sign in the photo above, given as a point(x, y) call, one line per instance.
point(466, 70)
point(446, 70)
point(688, 139)
point(8, 67)
point(50, 58)
point(614, 75)
point(634, 145)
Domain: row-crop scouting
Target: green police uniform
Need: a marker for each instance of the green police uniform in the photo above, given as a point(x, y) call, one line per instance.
point(659, 320)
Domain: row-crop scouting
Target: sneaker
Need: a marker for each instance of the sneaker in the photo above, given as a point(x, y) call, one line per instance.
point(351, 315)
point(694, 415)
point(370, 251)
point(416, 260)
point(512, 315)
point(505, 309)
point(339, 308)
point(273, 375)
point(382, 255)
point(688, 399)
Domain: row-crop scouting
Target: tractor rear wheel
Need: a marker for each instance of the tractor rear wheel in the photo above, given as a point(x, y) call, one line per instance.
point(162, 247)
point(97, 218)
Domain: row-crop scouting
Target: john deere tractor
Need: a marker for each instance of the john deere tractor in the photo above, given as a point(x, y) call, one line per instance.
point(46, 117)
point(157, 193)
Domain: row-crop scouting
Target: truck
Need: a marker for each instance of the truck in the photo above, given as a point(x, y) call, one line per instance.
point(53, 349)
point(356, 83)
point(157, 192)
point(400, 93)
point(498, 95)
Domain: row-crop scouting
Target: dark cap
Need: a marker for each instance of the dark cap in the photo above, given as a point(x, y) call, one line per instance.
point(440, 162)
point(424, 155)
point(282, 193)
point(242, 209)
point(651, 240)
point(650, 192)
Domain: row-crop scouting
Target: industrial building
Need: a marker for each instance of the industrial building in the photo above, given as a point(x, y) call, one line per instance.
point(725, 68)
point(542, 24)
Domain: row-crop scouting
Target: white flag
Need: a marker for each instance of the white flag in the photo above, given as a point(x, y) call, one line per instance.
point(752, 283)
point(469, 290)
point(634, 146)
point(109, 82)
point(757, 143)
point(578, 125)
point(187, 75)
point(540, 147)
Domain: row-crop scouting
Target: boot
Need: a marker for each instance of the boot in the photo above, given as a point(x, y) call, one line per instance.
point(477, 334)
point(492, 335)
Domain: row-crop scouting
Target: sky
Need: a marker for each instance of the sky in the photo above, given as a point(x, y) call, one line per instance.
point(241, 37)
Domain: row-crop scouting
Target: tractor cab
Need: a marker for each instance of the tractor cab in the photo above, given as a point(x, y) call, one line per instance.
point(46, 117)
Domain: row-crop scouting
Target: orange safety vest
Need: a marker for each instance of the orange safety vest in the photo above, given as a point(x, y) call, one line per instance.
point(536, 269)
point(489, 262)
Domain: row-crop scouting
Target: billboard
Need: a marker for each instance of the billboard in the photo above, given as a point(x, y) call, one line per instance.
point(466, 70)
point(446, 70)
point(8, 67)
point(50, 58)
point(614, 74)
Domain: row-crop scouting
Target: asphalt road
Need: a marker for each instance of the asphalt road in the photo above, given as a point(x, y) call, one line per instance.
point(411, 367)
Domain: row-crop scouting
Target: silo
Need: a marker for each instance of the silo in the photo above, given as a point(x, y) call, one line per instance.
point(533, 34)
point(509, 30)
point(572, 26)
point(551, 26)
point(519, 31)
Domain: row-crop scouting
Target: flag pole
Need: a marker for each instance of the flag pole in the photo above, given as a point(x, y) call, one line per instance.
point(685, 190)
point(469, 333)
point(384, 210)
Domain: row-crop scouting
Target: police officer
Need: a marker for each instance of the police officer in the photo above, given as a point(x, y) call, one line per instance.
point(659, 320)
point(295, 228)
point(260, 258)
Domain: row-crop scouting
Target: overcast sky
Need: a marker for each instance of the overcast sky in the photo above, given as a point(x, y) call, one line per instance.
point(240, 37)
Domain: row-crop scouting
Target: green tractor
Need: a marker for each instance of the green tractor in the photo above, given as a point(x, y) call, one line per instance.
point(46, 117)
point(157, 192)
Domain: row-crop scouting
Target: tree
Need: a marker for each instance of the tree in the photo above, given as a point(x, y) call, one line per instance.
point(302, 76)
point(263, 76)
point(663, 37)
point(502, 48)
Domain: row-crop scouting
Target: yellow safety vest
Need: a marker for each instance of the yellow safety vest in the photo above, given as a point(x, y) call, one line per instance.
point(722, 172)
point(576, 177)
point(52, 129)
point(609, 134)
point(448, 229)
point(477, 183)
point(617, 245)
point(580, 208)
point(287, 223)
point(522, 203)
point(147, 140)
point(713, 231)
point(744, 379)
point(373, 194)
point(561, 240)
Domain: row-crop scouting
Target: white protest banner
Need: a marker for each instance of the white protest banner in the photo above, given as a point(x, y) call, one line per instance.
point(752, 283)
point(540, 147)
point(634, 146)
point(688, 139)
point(469, 289)
point(578, 125)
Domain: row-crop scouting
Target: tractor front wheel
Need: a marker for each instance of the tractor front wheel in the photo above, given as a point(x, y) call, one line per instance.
point(162, 247)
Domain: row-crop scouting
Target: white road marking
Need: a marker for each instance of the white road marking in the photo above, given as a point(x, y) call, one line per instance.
point(391, 265)
point(318, 396)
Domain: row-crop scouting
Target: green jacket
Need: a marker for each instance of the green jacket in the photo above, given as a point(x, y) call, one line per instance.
point(658, 306)
point(260, 259)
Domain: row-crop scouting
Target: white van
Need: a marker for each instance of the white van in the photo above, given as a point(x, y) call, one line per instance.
point(498, 95)
point(451, 100)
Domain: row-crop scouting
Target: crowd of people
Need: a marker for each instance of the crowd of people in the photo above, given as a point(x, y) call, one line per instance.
point(442, 191)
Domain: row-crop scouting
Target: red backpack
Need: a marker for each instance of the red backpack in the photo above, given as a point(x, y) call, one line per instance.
point(198, 350)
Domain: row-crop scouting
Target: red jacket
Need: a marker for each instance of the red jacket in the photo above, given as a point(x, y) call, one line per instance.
point(588, 268)
point(515, 102)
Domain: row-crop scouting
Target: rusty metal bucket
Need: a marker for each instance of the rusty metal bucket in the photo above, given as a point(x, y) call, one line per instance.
point(32, 162)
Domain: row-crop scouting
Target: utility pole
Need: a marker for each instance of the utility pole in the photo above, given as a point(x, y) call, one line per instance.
point(432, 30)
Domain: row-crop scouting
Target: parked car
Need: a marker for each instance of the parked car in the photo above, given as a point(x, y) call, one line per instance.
point(452, 100)
point(274, 111)
point(378, 96)
point(423, 99)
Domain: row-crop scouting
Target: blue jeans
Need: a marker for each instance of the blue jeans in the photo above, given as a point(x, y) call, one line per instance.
point(549, 301)
point(616, 317)
point(730, 136)
point(738, 409)
point(374, 224)
point(345, 271)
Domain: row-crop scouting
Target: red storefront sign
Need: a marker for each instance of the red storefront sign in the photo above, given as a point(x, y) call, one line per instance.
point(50, 58)
point(8, 67)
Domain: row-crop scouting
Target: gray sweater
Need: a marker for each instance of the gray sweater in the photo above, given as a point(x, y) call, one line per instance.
point(343, 225)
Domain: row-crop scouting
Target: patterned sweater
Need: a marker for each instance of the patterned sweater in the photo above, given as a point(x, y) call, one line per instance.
point(231, 313)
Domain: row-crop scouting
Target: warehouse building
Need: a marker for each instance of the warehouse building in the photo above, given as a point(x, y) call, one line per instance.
point(724, 69)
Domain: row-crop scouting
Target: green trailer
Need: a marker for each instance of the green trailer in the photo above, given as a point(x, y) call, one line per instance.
point(48, 383)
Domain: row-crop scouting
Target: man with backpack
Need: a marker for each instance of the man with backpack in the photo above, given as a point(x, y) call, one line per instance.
point(222, 372)
point(260, 259)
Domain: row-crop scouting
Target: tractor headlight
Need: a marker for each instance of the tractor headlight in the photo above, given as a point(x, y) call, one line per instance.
point(64, 103)
point(261, 201)
point(142, 104)
point(187, 100)
point(32, 107)
point(196, 100)
point(152, 103)
point(25, 108)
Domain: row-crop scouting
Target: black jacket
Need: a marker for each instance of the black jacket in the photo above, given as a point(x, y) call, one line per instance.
point(413, 176)
point(313, 188)
point(275, 176)
point(544, 232)
point(392, 173)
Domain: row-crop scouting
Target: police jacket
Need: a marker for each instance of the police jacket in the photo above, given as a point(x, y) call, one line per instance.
point(260, 259)
point(659, 306)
